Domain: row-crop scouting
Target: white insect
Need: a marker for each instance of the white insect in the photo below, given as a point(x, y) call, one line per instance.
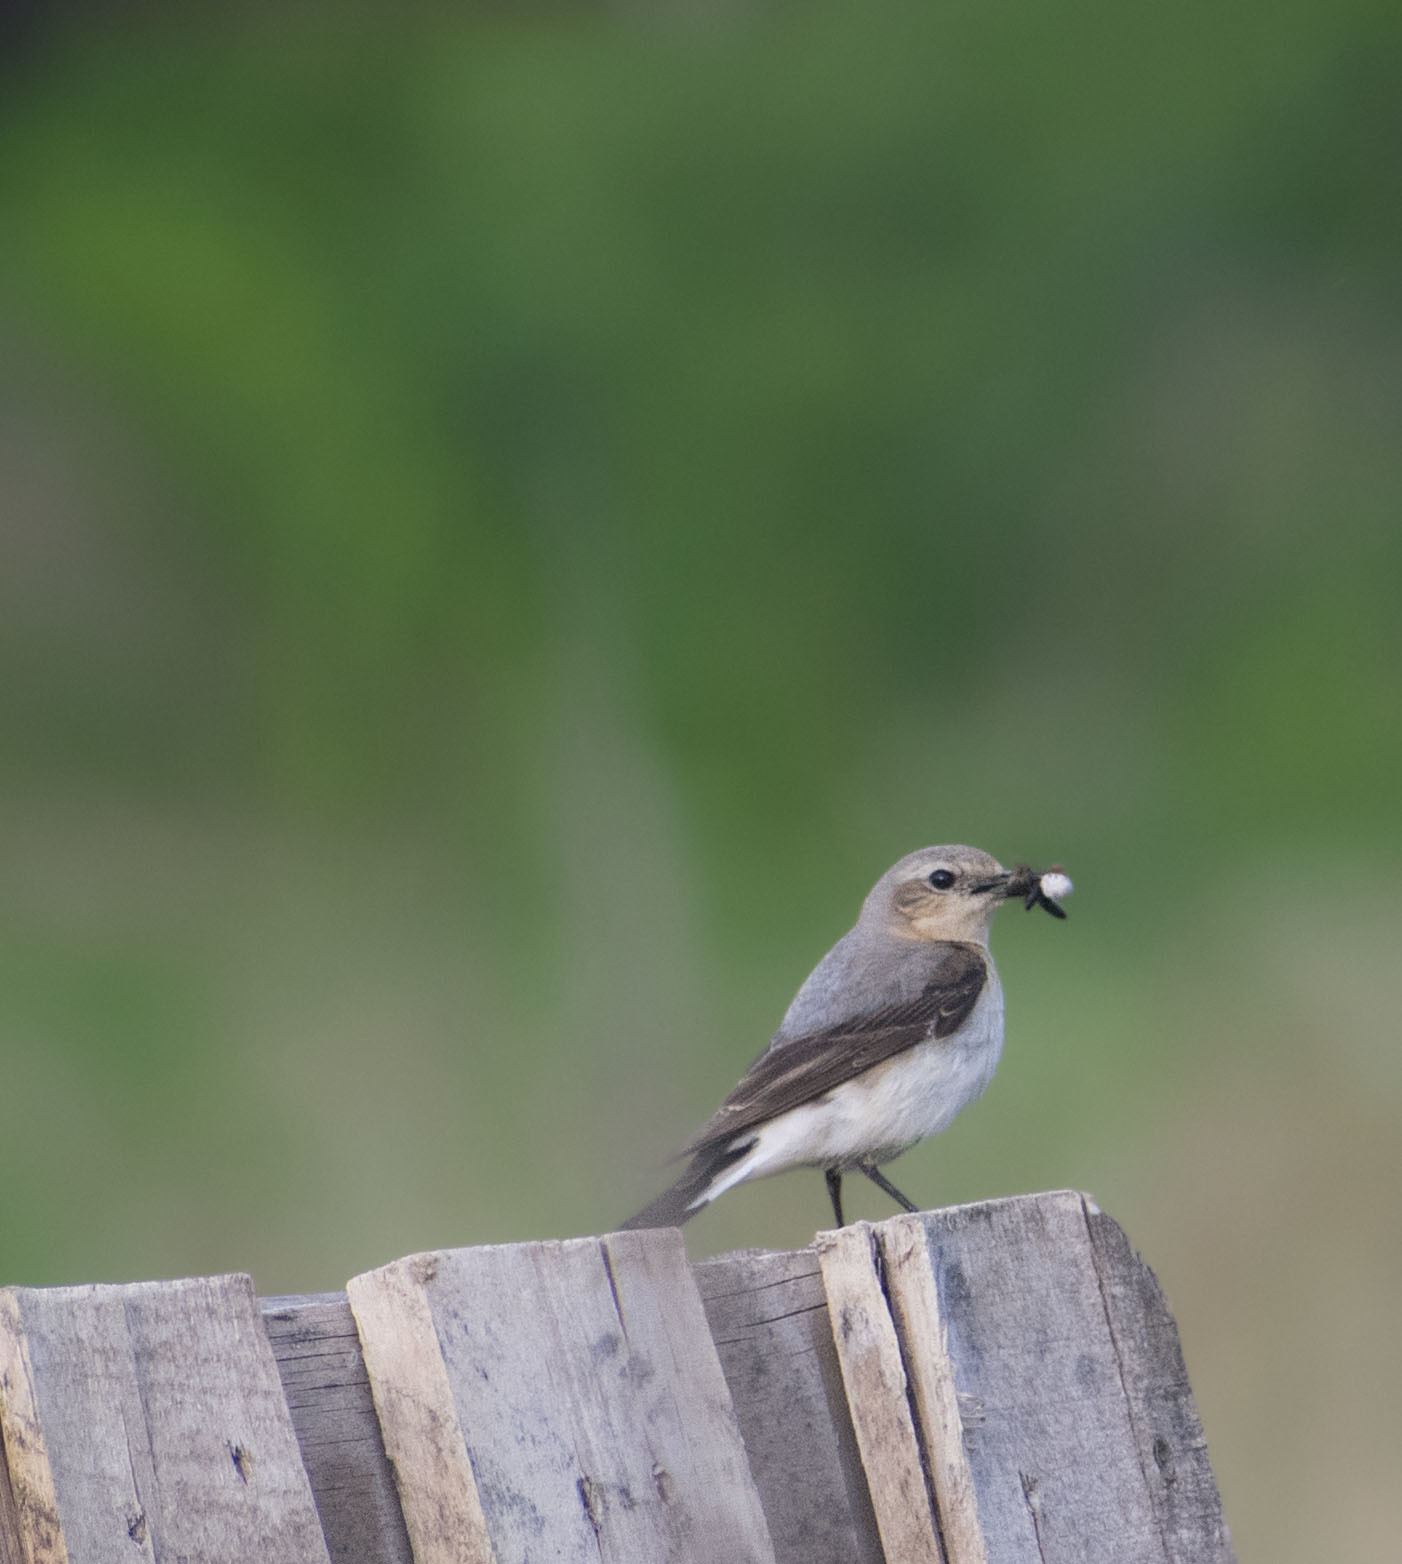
point(1056, 885)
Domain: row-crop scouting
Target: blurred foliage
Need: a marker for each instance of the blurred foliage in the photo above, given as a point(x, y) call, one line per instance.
point(513, 519)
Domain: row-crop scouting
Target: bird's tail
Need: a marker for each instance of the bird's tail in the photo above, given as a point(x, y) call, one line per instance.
point(692, 1190)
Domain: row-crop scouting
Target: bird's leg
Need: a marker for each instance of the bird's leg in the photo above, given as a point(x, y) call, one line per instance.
point(882, 1182)
point(834, 1179)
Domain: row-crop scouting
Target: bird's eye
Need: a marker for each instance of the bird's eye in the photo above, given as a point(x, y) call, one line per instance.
point(941, 879)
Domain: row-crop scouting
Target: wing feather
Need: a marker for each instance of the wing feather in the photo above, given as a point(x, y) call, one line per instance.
point(801, 1069)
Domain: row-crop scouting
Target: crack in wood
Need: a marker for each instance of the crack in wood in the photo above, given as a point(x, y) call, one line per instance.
point(1130, 1410)
point(613, 1287)
point(1032, 1498)
point(774, 1319)
point(591, 1499)
point(750, 1292)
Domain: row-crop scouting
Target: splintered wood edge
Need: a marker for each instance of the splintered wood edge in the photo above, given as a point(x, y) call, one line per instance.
point(424, 1440)
point(11, 1547)
point(1159, 1397)
point(915, 1304)
point(31, 1480)
point(874, 1379)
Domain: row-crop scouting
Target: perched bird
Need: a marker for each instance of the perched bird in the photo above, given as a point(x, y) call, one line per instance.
point(895, 1030)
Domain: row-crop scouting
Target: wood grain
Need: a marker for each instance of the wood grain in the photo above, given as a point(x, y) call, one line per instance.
point(874, 1377)
point(11, 1545)
point(990, 1384)
point(915, 1309)
point(318, 1357)
point(1050, 1395)
point(1163, 1414)
point(33, 1503)
point(148, 1422)
point(577, 1391)
point(768, 1316)
point(443, 1510)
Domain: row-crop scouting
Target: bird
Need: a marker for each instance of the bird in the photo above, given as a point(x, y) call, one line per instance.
point(896, 1029)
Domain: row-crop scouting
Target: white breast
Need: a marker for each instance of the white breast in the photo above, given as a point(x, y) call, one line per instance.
point(886, 1110)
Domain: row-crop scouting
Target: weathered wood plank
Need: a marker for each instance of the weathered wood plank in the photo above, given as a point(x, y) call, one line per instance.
point(915, 1308)
point(33, 1500)
point(148, 1422)
point(1052, 1375)
point(1167, 1431)
point(577, 1383)
point(1014, 1360)
point(768, 1315)
point(11, 1547)
point(414, 1399)
point(1052, 1453)
point(875, 1380)
point(318, 1357)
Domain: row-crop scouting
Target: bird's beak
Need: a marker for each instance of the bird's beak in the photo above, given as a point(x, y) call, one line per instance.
point(1002, 884)
point(1022, 881)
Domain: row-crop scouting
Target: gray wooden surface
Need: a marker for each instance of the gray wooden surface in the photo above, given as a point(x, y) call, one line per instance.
point(581, 1375)
point(768, 1315)
point(874, 1378)
point(1167, 1431)
point(1078, 1425)
point(903, 1269)
point(442, 1504)
point(1009, 1371)
point(323, 1375)
point(148, 1422)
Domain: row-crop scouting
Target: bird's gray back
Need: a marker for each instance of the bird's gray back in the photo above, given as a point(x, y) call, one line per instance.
point(866, 970)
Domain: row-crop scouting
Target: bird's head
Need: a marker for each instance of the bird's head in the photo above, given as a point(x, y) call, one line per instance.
point(943, 893)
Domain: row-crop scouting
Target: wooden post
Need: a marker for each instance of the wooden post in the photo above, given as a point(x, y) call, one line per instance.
point(328, 1395)
point(558, 1400)
point(1042, 1371)
point(924, 1345)
point(990, 1384)
point(872, 1370)
point(768, 1315)
point(148, 1422)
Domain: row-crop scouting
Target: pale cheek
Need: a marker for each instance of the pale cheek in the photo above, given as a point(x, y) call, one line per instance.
point(947, 921)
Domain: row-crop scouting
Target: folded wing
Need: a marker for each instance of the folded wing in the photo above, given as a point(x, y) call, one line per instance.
point(799, 1069)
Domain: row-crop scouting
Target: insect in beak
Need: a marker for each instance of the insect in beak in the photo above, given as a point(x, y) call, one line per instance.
point(1038, 899)
point(1027, 883)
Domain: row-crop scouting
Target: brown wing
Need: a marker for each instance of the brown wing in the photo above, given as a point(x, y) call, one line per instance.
point(803, 1068)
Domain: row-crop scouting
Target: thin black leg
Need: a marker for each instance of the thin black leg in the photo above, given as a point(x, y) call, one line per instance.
point(882, 1182)
point(834, 1179)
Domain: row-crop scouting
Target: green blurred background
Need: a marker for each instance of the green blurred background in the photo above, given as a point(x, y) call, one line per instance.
point(512, 520)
